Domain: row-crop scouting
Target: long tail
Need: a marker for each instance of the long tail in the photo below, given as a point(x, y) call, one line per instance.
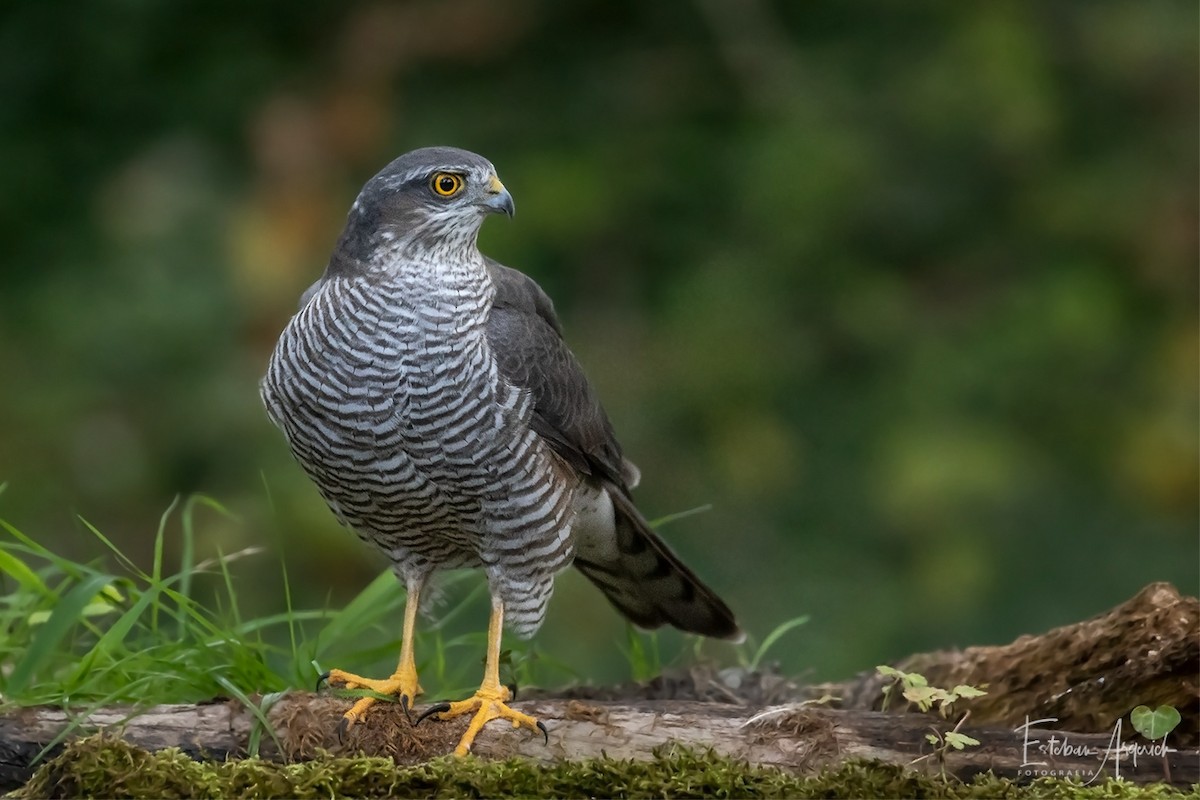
point(647, 582)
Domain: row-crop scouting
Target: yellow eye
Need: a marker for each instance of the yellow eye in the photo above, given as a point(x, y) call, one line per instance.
point(446, 184)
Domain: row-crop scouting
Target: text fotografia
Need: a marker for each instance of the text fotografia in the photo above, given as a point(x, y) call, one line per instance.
point(1046, 744)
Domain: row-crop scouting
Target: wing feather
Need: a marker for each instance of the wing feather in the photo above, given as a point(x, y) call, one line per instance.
point(628, 562)
point(526, 339)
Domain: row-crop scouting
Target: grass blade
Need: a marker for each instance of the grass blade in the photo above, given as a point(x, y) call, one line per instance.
point(678, 515)
point(773, 637)
point(68, 611)
point(21, 572)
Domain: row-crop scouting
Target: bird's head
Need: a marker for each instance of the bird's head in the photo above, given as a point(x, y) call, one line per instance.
point(432, 199)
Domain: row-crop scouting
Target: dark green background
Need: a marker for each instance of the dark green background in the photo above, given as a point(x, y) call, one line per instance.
point(906, 291)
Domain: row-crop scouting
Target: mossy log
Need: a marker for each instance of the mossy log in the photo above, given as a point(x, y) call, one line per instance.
point(1077, 684)
point(1085, 676)
point(803, 737)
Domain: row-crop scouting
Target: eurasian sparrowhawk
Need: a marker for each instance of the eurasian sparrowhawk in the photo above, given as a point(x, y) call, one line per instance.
point(427, 391)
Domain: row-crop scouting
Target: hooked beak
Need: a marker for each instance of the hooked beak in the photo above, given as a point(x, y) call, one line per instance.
point(498, 199)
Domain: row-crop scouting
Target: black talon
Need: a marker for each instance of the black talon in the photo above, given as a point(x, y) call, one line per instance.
point(322, 678)
point(545, 732)
point(512, 691)
point(434, 709)
point(343, 726)
point(404, 708)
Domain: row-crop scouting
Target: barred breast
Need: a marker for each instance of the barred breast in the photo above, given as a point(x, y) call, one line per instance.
point(391, 401)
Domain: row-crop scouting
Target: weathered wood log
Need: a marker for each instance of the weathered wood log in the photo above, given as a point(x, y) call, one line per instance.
point(802, 737)
point(1079, 681)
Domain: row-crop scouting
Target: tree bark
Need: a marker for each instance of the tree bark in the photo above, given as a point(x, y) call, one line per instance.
point(802, 737)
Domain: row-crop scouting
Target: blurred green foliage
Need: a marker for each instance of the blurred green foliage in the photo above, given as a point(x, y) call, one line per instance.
point(906, 291)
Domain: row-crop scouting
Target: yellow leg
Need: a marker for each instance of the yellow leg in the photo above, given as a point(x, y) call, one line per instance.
point(490, 701)
point(402, 683)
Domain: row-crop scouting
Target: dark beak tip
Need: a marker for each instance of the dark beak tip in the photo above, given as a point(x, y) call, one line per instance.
point(501, 203)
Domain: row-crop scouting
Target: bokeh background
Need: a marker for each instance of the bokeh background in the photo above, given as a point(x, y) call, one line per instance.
point(907, 292)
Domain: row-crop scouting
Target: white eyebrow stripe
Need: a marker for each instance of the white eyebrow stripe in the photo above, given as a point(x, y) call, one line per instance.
point(478, 171)
point(459, 169)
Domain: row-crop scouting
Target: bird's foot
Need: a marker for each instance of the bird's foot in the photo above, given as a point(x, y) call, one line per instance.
point(488, 703)
point(402, 685)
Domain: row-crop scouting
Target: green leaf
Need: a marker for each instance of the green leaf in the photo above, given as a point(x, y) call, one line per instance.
point(965, 691)
point(17, 568)
point(1154, 723)
point(960, 740)
point(923, 696)
point(95, 609)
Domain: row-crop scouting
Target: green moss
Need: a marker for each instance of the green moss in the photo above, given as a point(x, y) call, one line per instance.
point(107, 767)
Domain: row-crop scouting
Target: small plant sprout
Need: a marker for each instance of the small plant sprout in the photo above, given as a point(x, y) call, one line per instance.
point(1155, 723)
point(944, 742)
point(916, 689)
